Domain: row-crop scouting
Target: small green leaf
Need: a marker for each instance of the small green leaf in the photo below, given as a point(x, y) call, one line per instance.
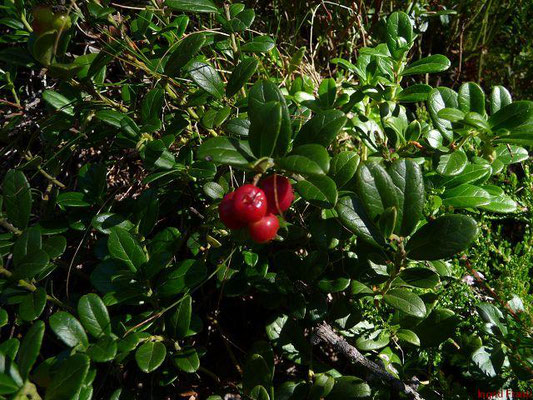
point(399, 34)
point(241, 75)
point(68, 329)
point(30, 347)
point(259, 44)
point(201, 6)
point(327, 92)
point(343, 167)
point(465, 196)
point(207, 78)
point(439, 98)
point(349, 387)
point(184, 52)
point(499, 97)
point(322, 128)
point(264, 129)
point(17, 198)
point(375, 188)
point(409, 182)
point(354, 217)
point(58, 102)
point(442, 238)
point(406, 301)
point(124, 247)
point(187, 360)
point(181, 319)
point(318, 190)
point(420, 277)
point(68, 378)
point(414, 93)
point(427, 65)
point(314, 152)
point(452, 164)
point(93, 315)
point(104, 350)
point(408, 336)
point(517, 118)
point(471, 98)
point(150, 356)
point(32, 305)
point(223, 150)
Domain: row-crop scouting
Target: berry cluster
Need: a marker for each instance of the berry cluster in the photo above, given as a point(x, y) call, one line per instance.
point(256, 207)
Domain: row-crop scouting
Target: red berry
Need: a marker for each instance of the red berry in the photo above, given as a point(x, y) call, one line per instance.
point(265, 229)
point(278, 188)
point(227, 213)
point(250, 203)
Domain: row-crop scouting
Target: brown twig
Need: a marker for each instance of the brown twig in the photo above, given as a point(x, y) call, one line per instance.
point(325, 333)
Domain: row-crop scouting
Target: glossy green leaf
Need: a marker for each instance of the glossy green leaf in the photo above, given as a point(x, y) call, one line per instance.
point(314, 152)
point(241, 75)
point(406, 301)
point(30, 348)
point(201, 6)
point(439, 98)
point(104, 222)
point(181, 319)
point(516, 117)
point(31, 264)
point(150, 356)
point(223, 150)
point(399, 33)
point(427, 65)
point(261, 93)
point(93, 315)
point(353, 216)
point(499, 97)
point(124, 247)
point(68, 329)
point(59, 102)
point(322, 128)
point(68, 378)
point(452, 164)
point(17, 198)
point(187, 360)
point(104, 350)
point(300, 165)
point(451, 114)
point(420, 277)
point(409, 182)
point(259, 44)
point(510, 154)
point(408, 336)
point(472, 173)
point(442, 237)
point(465, 196)
point(471, 98)
point(207, 78)
point(265, 129)
point(186, 275)
point(33, 305)
point(327, 92)
point(343, 167)
point(414, 93)
point(184, 52)
point(320, 191)
point(349, 387)
point(375, 188)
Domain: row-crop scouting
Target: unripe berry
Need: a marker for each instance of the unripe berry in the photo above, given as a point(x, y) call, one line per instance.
point(226, 212)
point(250, 203)
point(265, 229)
point(279, 193)
point(62, 22)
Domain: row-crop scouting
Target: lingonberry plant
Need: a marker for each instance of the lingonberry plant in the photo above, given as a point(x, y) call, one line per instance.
point(137, 260)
